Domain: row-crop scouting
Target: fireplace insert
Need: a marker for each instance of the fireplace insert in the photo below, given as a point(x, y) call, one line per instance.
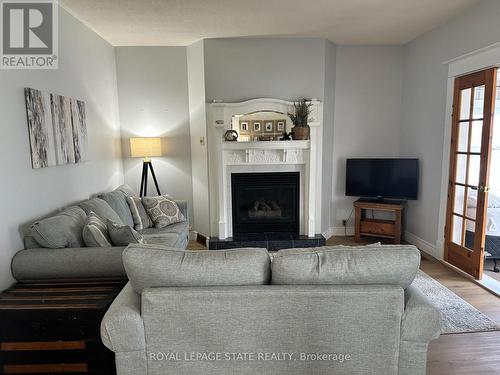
point(265, 202)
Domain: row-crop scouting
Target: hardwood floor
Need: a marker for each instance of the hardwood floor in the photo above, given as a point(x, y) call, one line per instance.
point(455, 354)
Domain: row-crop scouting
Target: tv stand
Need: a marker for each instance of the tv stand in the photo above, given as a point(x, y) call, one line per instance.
point(383, 228)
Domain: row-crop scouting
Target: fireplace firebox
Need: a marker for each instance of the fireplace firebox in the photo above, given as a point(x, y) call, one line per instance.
point(265, 203)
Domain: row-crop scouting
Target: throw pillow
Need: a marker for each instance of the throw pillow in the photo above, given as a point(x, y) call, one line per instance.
point(123, 235)
point(139, 214)
point(95, 232)
point(163, 210)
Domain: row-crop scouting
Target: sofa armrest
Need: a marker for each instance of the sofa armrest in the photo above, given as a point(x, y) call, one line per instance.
point(122, 328)
point(421, 321)
point(183, 206)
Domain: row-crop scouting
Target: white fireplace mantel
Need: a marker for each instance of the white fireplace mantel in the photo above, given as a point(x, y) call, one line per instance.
point(263, 156)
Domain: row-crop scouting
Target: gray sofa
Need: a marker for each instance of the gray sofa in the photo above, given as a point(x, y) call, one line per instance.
point(333, 310)
point(54, 247)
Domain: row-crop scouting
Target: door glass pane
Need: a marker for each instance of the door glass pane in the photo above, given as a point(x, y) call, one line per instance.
point(474, 162)
point(459, 199)
point(478, 108)
point(465, 104)
point(461, 167)
point(476, 134)
point(470, 230)
point(471, 203)
point(463, 136)
point(456, 236)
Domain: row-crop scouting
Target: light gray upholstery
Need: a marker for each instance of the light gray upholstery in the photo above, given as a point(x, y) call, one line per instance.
point(123, 235)
point(164, 239)
point(383, 328)
point(61, 230)
point(117, 200)
point(42, 263)
point(101, 209)
point(395, 265)
point(175, 235)
point(65, 229)
point(421, 324)
point(150, 266)
point(122, 329)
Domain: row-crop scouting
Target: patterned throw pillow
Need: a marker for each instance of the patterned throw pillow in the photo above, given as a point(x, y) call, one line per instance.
point(123, 235)
point(95, 232)
point(139, 214)
point(162, 210)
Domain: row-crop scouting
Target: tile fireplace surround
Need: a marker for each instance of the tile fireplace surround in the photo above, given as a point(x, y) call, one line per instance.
point(226, 158)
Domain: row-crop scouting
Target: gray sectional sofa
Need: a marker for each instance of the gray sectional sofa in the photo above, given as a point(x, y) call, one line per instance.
point(54, 247)
point(240, 312)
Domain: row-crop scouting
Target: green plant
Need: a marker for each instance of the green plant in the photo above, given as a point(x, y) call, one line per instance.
point(302, 111)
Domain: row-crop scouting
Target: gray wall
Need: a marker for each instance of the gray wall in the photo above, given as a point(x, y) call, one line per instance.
point(367, 113)
point(424, 103)
point(86, 71)
point(248, 68)
point(153, 98)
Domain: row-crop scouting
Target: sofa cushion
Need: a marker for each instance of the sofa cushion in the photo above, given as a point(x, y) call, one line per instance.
point(163, 239)
point(101, 209)
point(126, 190)
point(388, 264)
point(163, 210)
point(150, 266)
point(68, 263)
point(95, 232)
point(61, 230)
point(179, 228)
point(139, 214)
point(123, 235)
point(117, 200)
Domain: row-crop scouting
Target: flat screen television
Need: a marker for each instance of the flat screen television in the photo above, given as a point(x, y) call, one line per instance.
point(382, 178)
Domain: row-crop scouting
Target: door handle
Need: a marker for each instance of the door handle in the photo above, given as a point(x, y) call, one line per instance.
point(484, 188)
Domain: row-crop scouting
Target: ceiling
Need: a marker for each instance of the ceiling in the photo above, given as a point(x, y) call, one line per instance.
point(182, 22)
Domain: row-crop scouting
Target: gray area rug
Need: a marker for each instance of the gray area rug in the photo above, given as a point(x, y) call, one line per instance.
point(457, 315)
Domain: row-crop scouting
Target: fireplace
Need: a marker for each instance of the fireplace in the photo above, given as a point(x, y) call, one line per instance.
point(265, 203)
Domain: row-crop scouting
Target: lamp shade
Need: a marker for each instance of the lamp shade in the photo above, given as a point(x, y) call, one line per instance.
point(145, 147)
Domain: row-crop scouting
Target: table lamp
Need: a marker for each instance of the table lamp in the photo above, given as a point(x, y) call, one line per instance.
point(146, 148)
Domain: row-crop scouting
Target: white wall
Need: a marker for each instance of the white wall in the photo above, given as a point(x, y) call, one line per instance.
point(424, 103)
point(153, 99)
point(328, 129)
point(367, 116)
point(198, 132)
point(86, 71)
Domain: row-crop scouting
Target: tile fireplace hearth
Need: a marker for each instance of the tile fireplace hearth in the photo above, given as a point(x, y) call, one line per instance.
point(271, 241)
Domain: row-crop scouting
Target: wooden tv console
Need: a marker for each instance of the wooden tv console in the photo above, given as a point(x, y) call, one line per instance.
point(390, 229)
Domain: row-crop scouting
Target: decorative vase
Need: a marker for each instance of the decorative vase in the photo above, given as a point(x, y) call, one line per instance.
point(300, 133)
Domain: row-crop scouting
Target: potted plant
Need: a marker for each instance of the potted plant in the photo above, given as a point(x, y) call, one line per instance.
point(300, 130)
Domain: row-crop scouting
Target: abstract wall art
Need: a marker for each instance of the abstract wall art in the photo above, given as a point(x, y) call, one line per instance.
point(57, 129)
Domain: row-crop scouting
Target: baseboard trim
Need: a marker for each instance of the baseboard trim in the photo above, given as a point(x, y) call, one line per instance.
point(338, 231)
point(422, 244)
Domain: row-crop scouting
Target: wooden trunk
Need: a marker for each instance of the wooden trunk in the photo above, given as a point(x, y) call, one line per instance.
point(51, 328)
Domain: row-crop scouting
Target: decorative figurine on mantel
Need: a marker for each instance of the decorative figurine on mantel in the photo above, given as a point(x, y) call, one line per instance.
point(286, 136)
point(231, 136)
